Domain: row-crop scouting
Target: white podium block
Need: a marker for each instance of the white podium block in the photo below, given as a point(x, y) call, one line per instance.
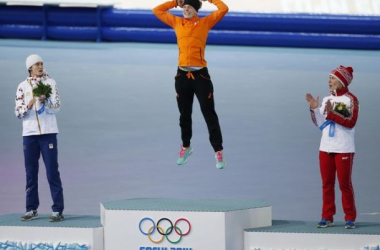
point(167, 224)
point(299, 235)
point(74, 230)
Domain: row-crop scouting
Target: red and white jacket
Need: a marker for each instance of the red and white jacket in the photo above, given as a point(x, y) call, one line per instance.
point(34, 123)
point(343, 140)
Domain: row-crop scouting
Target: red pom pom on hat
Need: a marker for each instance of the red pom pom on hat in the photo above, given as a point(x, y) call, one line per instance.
point(343, 74)
point(349, 69)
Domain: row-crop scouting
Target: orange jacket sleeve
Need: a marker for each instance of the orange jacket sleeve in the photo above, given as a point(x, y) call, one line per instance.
point(217, 15)
point(161, 12)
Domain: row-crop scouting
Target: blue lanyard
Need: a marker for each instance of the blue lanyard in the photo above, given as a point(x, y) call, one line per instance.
point(42, 109)
point(332, 127)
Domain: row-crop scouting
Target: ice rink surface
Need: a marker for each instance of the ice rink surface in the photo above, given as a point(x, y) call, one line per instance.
point(119, 134)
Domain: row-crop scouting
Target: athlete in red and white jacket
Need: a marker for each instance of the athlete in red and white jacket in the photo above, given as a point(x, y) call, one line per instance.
point(336, 117)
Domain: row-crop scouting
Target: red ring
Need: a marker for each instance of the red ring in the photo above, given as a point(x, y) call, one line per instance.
point(182, 234)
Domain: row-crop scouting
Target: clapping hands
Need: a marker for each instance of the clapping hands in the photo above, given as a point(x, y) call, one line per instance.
point(312, 101)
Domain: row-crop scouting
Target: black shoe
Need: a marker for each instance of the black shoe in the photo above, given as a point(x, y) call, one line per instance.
point(56, 217)
point(30, 215)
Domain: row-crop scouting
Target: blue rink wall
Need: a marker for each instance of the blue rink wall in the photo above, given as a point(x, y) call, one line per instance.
point(246, 29)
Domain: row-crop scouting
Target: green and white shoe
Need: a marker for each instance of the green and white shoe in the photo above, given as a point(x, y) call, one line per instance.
point(30, 215)
point(56, 217)
point(220, 162)
point(183, 154)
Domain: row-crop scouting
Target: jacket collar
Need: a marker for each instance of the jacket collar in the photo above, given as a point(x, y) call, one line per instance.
point(340, 92)
point(191, 21)
point(45, 75)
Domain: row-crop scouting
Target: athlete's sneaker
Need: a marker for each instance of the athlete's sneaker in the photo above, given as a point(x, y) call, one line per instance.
point(350, 224)
point(30, 215)
point(325, 223)
point(220, 163)
point(183, 154)
point(56, 217)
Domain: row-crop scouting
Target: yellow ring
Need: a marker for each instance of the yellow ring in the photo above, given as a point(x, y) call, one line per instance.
point(161, 230)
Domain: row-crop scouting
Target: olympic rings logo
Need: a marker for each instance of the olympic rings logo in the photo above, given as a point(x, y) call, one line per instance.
point(164, 233)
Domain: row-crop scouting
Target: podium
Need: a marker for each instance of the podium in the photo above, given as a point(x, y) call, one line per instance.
point(178, 224)
point(165, 224)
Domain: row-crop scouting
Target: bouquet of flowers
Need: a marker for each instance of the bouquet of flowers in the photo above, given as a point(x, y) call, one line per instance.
point(342, 109)
point(41, 89)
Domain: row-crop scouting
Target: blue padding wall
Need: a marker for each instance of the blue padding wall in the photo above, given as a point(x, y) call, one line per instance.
point(21, 15)
point(20, 31)
point(245, 29)
point(75, 17)
point(256, 22)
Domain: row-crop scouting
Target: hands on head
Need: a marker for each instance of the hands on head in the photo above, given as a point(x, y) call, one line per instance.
point(181, 3)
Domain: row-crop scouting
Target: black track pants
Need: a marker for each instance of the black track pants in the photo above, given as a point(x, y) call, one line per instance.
point(199, 83)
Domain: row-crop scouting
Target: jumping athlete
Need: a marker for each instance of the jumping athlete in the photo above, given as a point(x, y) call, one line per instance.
point(192, 76)
point(336, 117)
point(39, 137)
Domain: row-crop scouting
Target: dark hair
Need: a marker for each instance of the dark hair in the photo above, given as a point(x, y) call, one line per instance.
point(196, 4)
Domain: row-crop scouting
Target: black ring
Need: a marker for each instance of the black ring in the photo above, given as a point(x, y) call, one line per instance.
point(171, 226)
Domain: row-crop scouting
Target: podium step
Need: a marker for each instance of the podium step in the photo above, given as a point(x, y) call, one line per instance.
point(209, 205)
point(297, 235)
point(75, 232)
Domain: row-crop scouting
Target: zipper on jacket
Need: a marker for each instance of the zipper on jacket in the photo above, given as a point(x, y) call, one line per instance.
point(328, 148)
point(38, 120)
point(188, 51)
point(35, 109)
point(179, 53)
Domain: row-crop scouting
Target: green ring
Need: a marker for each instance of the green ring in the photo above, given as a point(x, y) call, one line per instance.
point(167, 237)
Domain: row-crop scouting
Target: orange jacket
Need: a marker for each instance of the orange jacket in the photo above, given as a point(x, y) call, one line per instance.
point(191, 34)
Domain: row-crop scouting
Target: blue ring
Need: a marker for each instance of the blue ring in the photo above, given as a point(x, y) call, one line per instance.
point(142, 220)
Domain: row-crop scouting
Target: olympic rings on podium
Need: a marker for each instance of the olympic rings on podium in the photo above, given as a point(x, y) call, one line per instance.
point(164, 233)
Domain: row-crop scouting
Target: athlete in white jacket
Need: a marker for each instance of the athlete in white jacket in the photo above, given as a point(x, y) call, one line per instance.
point(32, 122)
point(337, 148)
point(39, 137)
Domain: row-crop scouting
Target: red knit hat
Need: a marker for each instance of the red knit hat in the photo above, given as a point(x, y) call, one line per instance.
point(343, 74)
